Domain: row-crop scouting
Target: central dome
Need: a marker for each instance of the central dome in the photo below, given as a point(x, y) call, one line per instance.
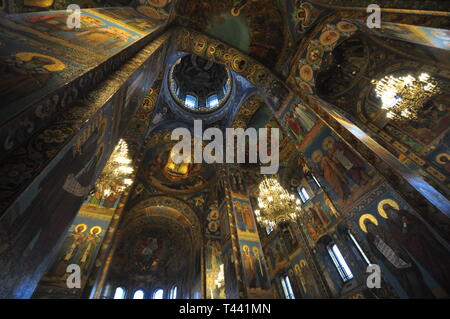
point(199, 85)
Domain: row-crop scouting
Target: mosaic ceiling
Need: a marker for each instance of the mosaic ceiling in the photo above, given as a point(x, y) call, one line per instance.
point(254, 27)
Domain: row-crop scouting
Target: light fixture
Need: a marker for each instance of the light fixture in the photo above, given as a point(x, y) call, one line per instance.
point(275, 203)
point(403, 97)
point(115, 177)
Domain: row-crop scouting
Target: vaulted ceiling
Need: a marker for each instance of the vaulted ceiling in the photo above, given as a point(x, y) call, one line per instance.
point(254, 27)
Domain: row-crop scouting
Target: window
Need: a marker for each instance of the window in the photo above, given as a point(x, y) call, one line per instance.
point(270, 226)
point(315, 179)
point(303, 193)
point(339, 262)
point(213, 101)
point(173, 292)
point(138, 294)
point(359, 248)
point(158, 294)
point(190, 101)
point(287, 288)
point(120, 293)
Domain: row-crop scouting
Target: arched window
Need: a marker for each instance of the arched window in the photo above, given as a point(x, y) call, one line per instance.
point(190, 102)
point(138, 294)
point(339, 262)
point(173, 292)
point(363, 255)
point(303, 193)
point(158, 294)
point(287, 288)
point(213, 101)
point(119, 293)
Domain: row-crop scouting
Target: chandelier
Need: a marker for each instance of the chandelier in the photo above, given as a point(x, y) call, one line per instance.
point(115, 177)
point(275, 204)
point(403, 97)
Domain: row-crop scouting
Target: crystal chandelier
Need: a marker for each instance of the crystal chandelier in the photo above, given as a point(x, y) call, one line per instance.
point(275, 203)
point(115, 177)
point(403, 97)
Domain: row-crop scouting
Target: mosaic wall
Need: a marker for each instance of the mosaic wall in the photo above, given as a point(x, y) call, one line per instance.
point(36, 224)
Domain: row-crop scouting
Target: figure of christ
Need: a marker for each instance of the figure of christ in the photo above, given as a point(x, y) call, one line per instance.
point(418, 240)
point(384, 246)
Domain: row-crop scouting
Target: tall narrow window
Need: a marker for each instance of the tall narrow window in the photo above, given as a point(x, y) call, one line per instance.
point(139, 294)
point(119, 293)
point(213, 101)
point(190, 101)
point(287, 288)
point(158, 294)
point(173, 292)
point(339, 262)
point(315, 179)
point(363, 255)
point(303, 194)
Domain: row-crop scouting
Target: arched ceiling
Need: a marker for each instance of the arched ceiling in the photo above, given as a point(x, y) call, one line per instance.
point(255, 113)
point(159, 170)
point(152, 245)
point(160, 237)
point(254, 27)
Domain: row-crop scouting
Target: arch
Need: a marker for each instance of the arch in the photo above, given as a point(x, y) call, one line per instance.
point(139, 294)
point(185, 210)
point(161, 172)
point(158, 235)
point(321, 44)
point(173, 293)
point(344, 70)
point(158, 293)
point(243, 24)
point(214, 50)
point(335, 29)
point(278, 96)
point(119, 293)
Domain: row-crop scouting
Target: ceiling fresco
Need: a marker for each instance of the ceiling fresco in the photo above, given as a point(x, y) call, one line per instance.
point(255, 113)
point(200, 79)
point(152, 247)
point(159, 238)
point(162, 172)
point(153, 9)
point(253, 27)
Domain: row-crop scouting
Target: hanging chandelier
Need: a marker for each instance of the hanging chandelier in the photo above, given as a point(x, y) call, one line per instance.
point(403, 97)
point(275, 204)
point(115, 177)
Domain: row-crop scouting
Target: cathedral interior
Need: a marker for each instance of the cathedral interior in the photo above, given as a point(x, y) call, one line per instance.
point(95, 205)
